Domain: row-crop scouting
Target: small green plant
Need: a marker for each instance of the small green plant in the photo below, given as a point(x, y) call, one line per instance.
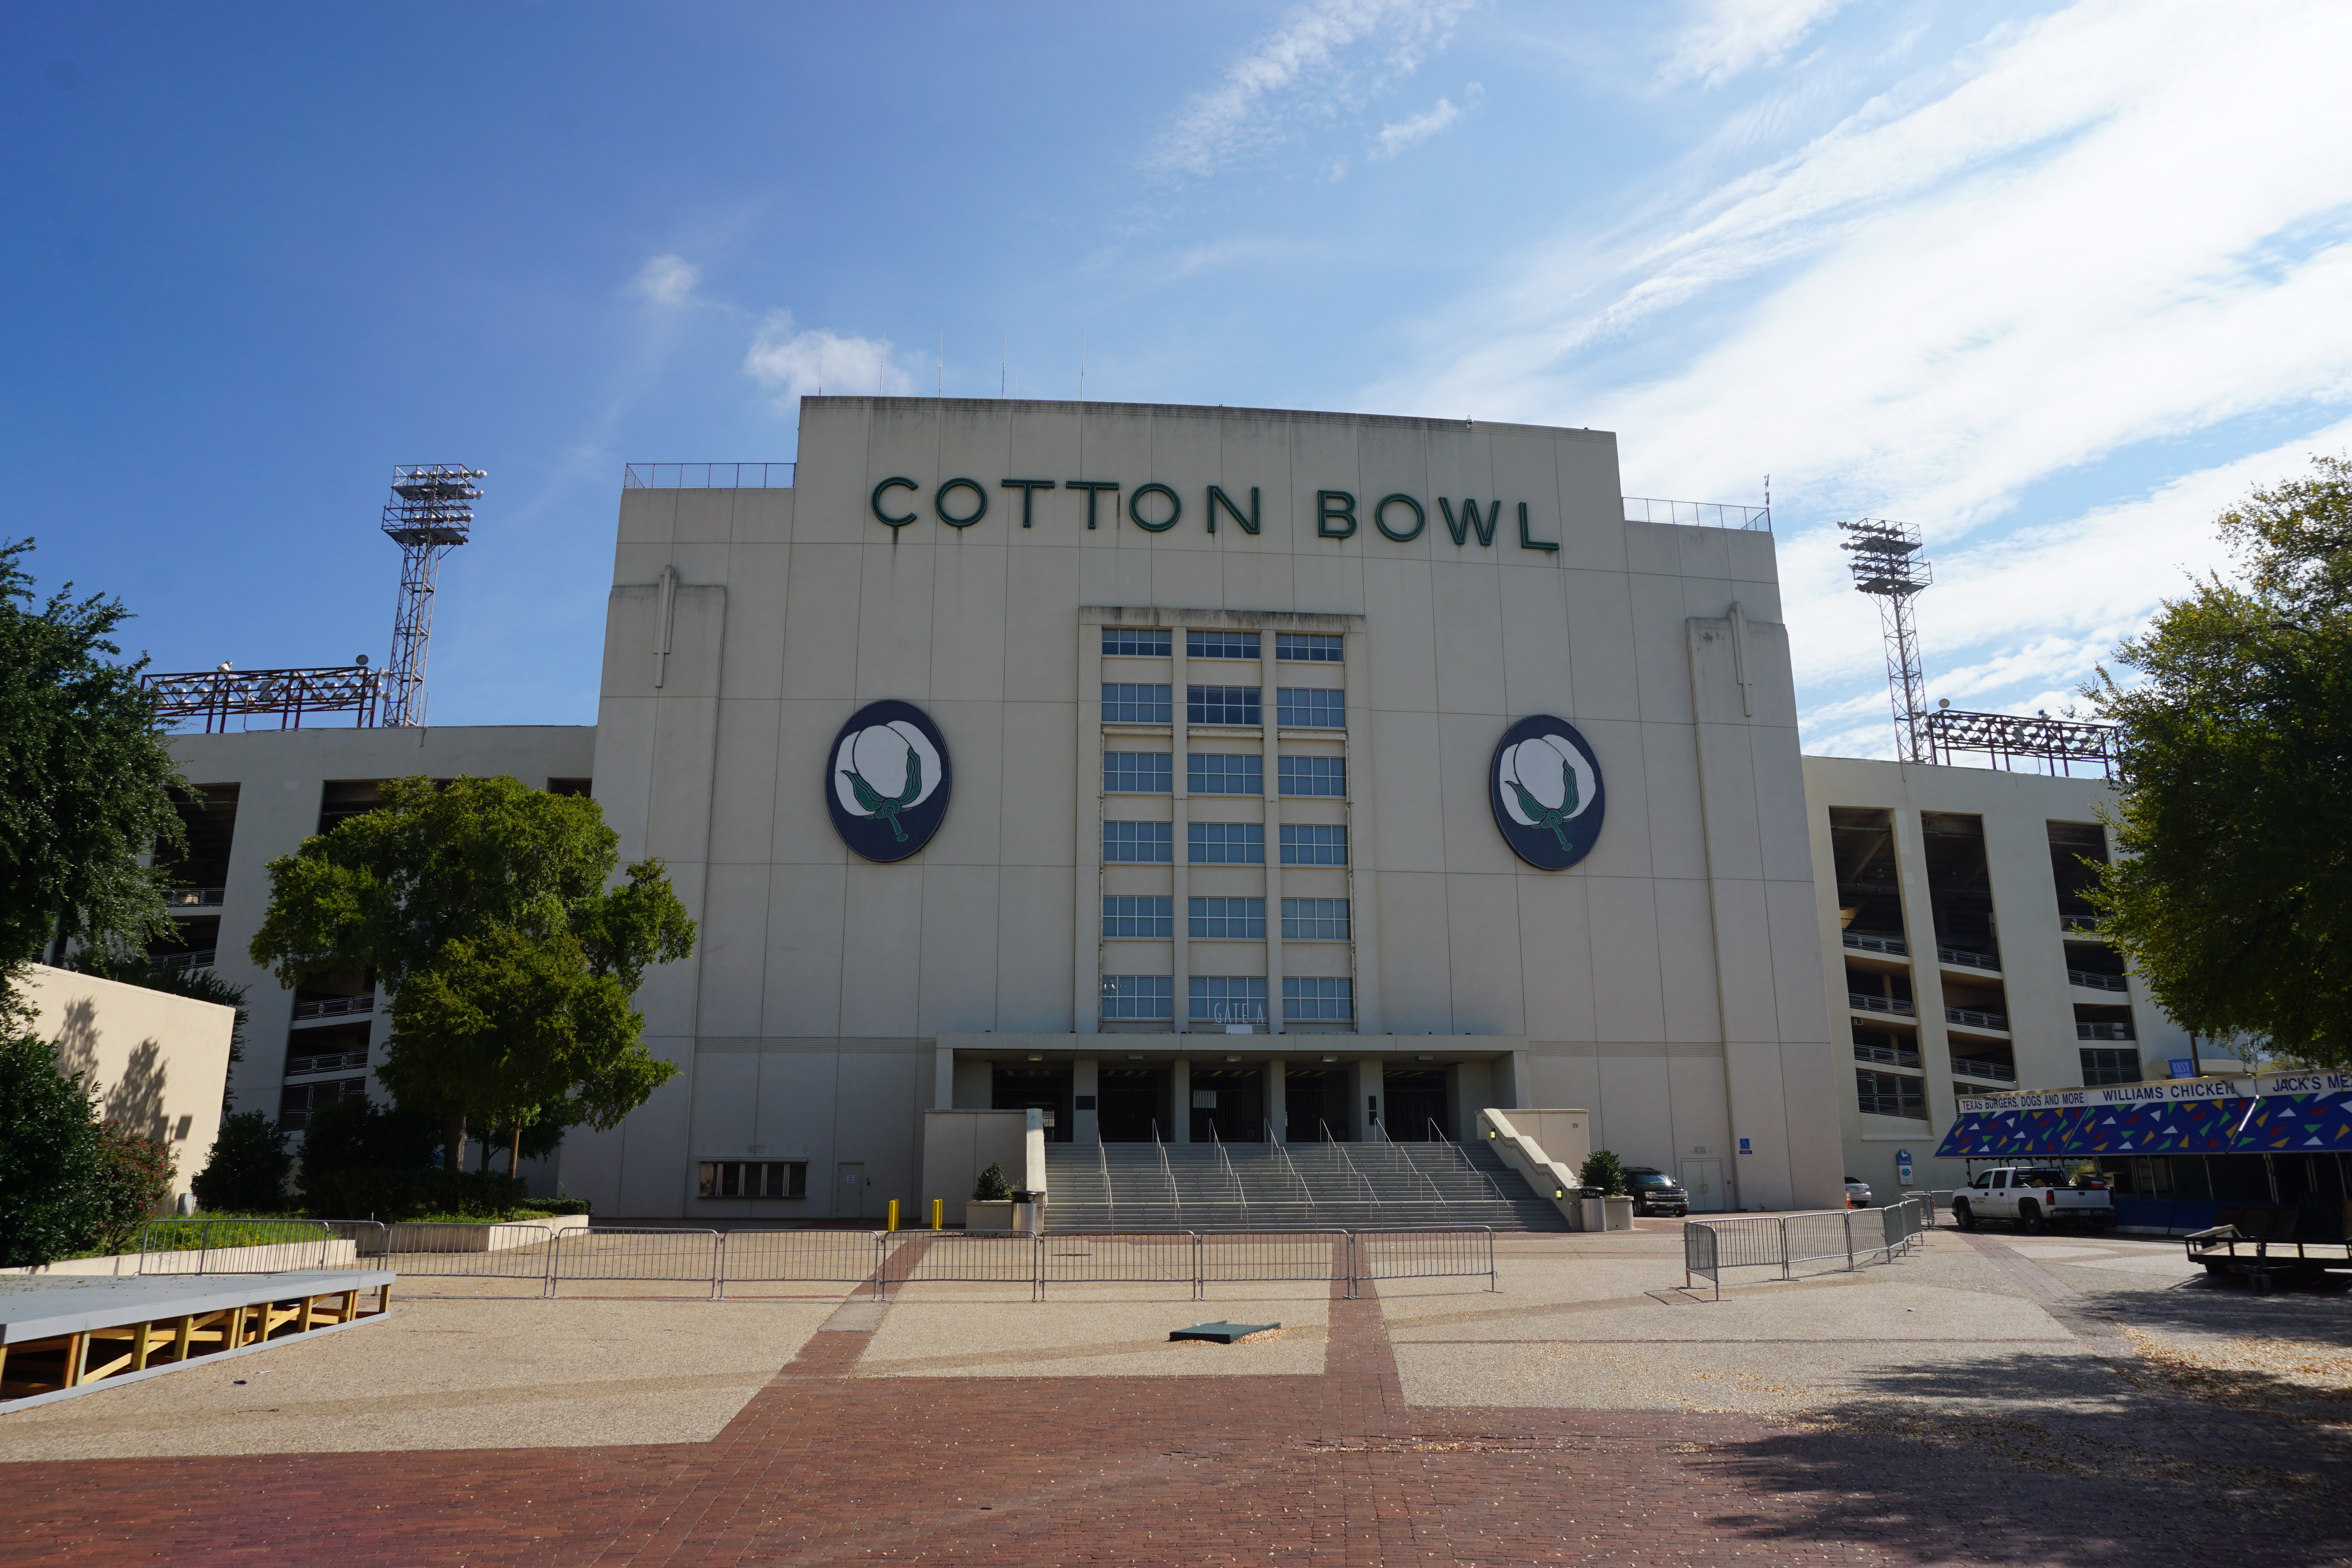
point(1603, 1173)
point(993, 1188)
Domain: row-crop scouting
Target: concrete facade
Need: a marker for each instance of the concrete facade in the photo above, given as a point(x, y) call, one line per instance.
point(1670, 981)
point(2043, 990)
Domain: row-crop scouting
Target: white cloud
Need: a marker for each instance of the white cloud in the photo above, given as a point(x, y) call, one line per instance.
point(1403, 135)
point(1308, 51)
point(1726, 38)
point(666, 280)
point(798, 364)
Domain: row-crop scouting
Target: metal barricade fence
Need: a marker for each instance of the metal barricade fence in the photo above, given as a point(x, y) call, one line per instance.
point(241, 1246)
point(1463, 1253)
point(799, 1257)
point(637, 1253)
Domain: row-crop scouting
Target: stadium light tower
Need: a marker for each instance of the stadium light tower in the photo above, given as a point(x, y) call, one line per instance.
point(431, 513)
point(1887, 566)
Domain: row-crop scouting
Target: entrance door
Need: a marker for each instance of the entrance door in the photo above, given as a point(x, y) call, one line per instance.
point(850, 1198)
point(1702, 1180)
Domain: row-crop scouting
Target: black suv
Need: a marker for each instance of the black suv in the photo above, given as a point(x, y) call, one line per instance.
point(1655, 1191)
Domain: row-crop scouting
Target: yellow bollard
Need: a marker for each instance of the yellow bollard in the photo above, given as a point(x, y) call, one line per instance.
point(894, 1214)
point(938, 1214)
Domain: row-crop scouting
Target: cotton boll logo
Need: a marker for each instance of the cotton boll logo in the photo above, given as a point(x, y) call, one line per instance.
point(1546, 790)
point(888, 781)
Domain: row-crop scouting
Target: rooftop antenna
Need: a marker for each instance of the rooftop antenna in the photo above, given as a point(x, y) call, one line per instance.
point(1887, 566)
point(431, 513)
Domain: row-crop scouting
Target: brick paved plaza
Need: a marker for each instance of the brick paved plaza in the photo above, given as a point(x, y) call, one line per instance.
point(1992, 1399)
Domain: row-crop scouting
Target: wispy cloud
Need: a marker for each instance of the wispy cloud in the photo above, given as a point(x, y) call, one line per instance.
point(1403, 135)
point(797, 363)
point(1304, 66)
point(1726, 38)
point(666, 280)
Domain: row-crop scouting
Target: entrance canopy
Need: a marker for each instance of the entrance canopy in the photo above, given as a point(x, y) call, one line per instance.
point(2284, 1113)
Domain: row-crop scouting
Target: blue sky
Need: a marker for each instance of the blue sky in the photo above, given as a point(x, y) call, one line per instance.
point(2056, 282)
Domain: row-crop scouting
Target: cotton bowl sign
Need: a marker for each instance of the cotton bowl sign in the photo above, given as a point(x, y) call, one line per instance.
point(888, 781)
point(1544, 784)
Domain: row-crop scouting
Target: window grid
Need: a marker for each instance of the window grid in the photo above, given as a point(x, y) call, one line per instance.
point(1136, 642)
point(1317, 999)
point(1138, 773)
point(1139, 996)
point(1890, 1094)
point(1217, 772)
point(1228, 919)
point(1314, 776)
point(1314, 844)
point(1225, 705)
point(1310, 708)
point(1142, 916)
point(1315, 919)
point(1139, 842)
point(1220, 645)
point(1131, 702)
point(2110, 1067)
point(1226, 843)
point(1309, 648)
point(1236, 998)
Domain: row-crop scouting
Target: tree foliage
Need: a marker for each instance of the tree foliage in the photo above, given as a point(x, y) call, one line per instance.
point(2232, 893)
point(484, 910)
point(85, 777)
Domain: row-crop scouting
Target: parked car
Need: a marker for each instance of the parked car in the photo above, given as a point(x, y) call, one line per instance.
point(1655, 1191)
point(1857, 1194)
point(2034, 1196)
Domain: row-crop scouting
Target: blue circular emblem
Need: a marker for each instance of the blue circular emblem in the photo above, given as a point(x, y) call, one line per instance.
point(1545, 786)
point(887, 780)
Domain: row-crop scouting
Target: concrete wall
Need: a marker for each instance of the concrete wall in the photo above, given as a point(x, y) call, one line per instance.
point(158, 1062)
point(1670, 981)
point(2017, 809)
point(281, 775)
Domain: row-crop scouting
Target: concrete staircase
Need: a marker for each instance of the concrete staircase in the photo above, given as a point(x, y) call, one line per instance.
point(1270, 1186)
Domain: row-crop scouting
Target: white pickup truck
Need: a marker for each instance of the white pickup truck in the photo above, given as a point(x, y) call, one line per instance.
point(2034, 1196)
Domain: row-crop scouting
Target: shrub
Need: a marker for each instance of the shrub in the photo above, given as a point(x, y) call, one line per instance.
point(992, 1188)
point(134, 1181)
point(53, 1163)
point(248, 1167)
point(1603, 1173)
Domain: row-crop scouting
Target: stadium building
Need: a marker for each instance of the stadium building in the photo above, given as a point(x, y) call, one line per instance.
point(1205, 776)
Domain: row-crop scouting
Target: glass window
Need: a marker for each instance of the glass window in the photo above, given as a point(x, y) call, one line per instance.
point(2110, 1067)
point(1136, 642)
point(1314, 775)
point(1139, 996)
point(1144, 916)
point(1223, 705)
point(1311, 707)
point(1312, 844)
point(1890, 1094)
point(1228, 919)
point(1226, 844)
point(1220, 644)
point(1138, 842)
point(1136, 772)
point(1124, 702)
point(1313, 999)
point(1229, 998)
point(1212, 773)
point(754, 1179)
point(1315, 919)
point(1308, 648)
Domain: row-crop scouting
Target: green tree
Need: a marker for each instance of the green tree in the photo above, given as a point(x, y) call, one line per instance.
point(2232, 895)
point(85, 777)
point(484, 910)
point(248, 1167)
